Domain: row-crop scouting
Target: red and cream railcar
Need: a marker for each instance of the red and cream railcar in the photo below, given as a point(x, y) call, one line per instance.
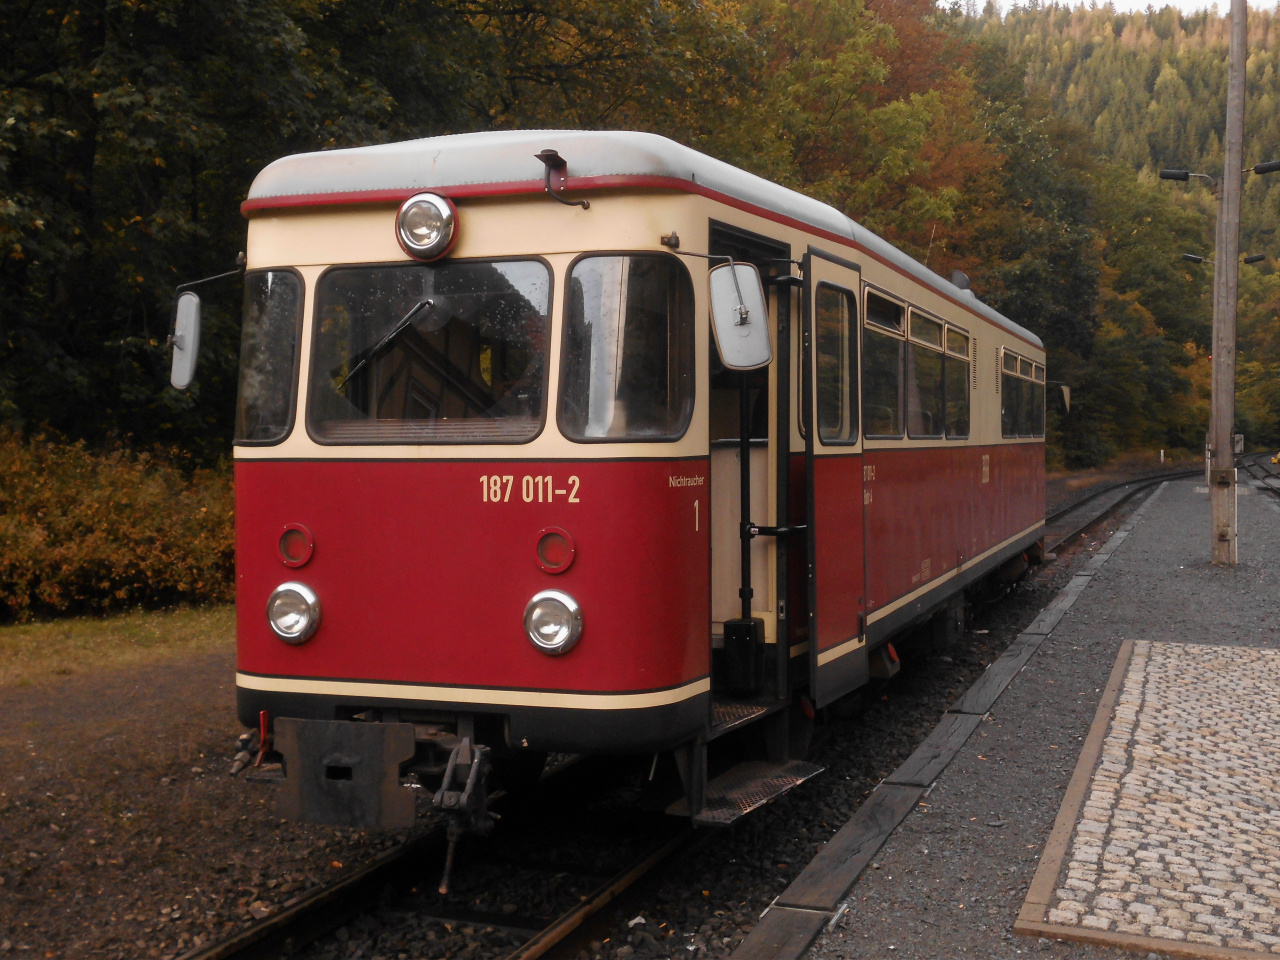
point(490, 461)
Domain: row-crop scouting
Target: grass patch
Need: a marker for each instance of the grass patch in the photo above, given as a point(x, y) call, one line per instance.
point(32, 653)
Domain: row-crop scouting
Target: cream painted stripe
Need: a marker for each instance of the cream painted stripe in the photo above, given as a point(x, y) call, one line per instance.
point(950, 574)
point(800, 649)
point(509, 698)
point(826, 656)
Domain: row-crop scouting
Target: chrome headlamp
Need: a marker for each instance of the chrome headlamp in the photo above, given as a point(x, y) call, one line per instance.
point(426, 226)
point(293, 611)
point(553, 621)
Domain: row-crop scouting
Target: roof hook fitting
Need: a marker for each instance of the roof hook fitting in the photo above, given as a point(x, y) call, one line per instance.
point(557, 164)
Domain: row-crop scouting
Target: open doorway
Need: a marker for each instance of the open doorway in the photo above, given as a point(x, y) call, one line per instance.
point(754, 673)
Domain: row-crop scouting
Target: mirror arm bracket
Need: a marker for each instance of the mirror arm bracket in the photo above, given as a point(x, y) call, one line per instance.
point(240, 262)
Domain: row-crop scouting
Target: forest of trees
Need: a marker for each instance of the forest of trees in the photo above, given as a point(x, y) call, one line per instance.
point(1019, 150)
point(1152, 88)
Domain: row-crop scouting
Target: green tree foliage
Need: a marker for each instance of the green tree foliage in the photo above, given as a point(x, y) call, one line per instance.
point(1150, 90)
point(130, 131)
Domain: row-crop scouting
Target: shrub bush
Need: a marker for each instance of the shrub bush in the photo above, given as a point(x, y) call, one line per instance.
point(82, 531)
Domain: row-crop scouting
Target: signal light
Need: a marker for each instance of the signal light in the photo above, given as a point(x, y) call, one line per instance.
point(296, 545)
point(555, 550)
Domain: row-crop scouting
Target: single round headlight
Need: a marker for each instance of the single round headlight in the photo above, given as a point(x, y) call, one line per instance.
point(293, 611)
point(425, 226)
point(553, 621)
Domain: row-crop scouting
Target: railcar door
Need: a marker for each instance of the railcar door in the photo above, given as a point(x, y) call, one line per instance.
point(833, 457)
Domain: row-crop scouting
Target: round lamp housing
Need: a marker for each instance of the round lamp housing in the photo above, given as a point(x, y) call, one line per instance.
point(553, 621)
point(293, 612)
point(426, 226)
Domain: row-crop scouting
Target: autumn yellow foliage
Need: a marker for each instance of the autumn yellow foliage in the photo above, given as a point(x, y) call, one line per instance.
point(89, 532)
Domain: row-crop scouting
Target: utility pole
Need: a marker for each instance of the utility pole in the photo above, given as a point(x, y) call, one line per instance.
point(1222, 474)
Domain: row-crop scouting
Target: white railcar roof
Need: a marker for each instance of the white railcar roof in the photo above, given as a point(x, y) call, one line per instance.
point(491, 159)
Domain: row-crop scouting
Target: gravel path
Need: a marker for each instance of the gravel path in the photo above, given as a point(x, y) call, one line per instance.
point(951, 880)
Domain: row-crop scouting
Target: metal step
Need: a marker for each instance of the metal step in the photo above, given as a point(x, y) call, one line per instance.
point(743, 788)
point(729, 714)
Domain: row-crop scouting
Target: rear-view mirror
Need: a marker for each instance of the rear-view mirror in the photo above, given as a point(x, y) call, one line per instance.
point(186, 340)
point(739, 317)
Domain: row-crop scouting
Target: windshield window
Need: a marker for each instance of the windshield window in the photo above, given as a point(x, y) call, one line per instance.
point(268, 352)
point(627, 361)
point(431, 353)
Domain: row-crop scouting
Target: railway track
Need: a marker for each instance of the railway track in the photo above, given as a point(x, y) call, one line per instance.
point(413, 864)
point(1069, 522)
point(403, 875)
point(1078, 517)
point(1259, 468)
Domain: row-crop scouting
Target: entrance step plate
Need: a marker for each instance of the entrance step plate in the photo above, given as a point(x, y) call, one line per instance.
point(728, 714)
point(743, 788)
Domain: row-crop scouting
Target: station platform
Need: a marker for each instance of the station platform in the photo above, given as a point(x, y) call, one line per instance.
point(1109, 788)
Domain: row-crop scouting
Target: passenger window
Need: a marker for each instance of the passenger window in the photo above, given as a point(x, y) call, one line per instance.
point(924, 378)
point(1024, 406)
point(884, 313)
point(627, 363)
point(1008, 395)
point(926, 330)
point(835, 320)
point(955, 385)
point(881, 372)
point(1022, 397)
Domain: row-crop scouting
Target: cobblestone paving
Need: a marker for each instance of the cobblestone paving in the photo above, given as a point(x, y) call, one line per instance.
point(1179, 837)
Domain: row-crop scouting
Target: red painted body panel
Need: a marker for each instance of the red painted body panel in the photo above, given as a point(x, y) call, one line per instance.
point(422, 581)
point(928, 510)
point(838, 552)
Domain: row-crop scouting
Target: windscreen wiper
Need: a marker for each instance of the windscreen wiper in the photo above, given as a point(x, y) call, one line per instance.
point(395, 332)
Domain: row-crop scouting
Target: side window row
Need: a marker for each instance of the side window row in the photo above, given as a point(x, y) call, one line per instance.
point(912, 364)
point(1021, 396)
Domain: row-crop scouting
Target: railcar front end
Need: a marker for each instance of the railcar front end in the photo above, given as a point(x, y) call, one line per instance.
point(588, 443)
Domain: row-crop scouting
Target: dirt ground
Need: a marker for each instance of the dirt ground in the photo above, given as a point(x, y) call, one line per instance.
point(121, 833)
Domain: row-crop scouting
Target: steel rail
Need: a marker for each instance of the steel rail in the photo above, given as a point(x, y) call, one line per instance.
point(324, 909)
point(312, 916)
point(1094, 494)
point(598, 899)
point(1264, 476)
point(1139, 485)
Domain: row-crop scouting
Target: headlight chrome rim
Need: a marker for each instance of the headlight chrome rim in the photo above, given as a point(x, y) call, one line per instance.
point(310, 607)
point(442, 243)
point(566, 639)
